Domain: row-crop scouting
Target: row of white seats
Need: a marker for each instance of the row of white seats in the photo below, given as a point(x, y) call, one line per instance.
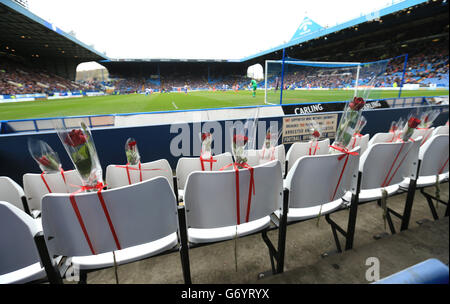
point(313, 185)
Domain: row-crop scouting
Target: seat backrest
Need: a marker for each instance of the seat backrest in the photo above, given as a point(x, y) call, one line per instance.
point(278, 153)
point(116, 175)
point(17, 230)
point(440, 130)
point(35, 188)
point(210, 197)
point(318, 179)
point(11, 192)
point(425, 133)
point(434, 156)
point(359, 141)
point(187, 165)
point(385, 164)
point(381, 138)
point(139, 213)
point(300, 149)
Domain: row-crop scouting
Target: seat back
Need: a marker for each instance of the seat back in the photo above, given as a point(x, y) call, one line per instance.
point(11, 192)
point(117, 176)
point(210, 197)
point(35, 188)
point(17, 230)
point(279, 153)
point(385, 164)
point(440, 130)
point(360, 141)
point(300, 149)
point(318, 179)
point(381, 138)
point(434, 156)
point(139, 213)
point(425, 133)
point(187, 165)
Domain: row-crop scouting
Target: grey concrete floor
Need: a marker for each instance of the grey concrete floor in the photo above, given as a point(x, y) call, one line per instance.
point(305, 242)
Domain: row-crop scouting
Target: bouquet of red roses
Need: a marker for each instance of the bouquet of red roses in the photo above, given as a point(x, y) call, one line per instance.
point(132, 152)
point(43, 154)
point(349, 122)
point(80, 147)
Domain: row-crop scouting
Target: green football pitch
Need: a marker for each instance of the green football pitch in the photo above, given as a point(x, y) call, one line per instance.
point(133, 103)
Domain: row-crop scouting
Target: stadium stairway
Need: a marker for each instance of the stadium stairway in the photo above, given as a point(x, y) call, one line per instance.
point(306, 242)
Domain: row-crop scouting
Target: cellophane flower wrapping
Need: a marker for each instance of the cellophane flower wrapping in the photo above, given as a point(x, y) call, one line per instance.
point(244, 139)
point(348, 123)
point(427, 118)
point(206, 139)
point(132, 152)
point(80, 147)
point(270, 142)
point(408, 130)
point(43, 154)
point(316, 132)
point(360, 125)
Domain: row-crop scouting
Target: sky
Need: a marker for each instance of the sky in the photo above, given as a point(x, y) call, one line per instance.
point(193, 29)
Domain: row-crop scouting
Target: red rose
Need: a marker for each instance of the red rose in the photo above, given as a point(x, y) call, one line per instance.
point(240, 138)
point(268, 135)
point(357, 103)
point(131, 144)
point(413, 122)
point(316, 134)
point(205, 135)
point(75, 138)
point(44, 161)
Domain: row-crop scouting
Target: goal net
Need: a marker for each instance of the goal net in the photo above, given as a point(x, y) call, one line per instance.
point(296, 81)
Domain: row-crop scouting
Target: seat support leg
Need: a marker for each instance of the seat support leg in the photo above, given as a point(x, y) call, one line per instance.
point(184, 249)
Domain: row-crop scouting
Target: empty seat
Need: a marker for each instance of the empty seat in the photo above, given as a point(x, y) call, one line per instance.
point(440, 130)
point(19, 257)
point(381, 138)
point(122, 175)
point(317, 183)
point(384, 166)
point(212, 209)
point(37, 185)
point(300, 149)
point(12, 193)
point(360, 141)
point(187, 165)
point(136, 221)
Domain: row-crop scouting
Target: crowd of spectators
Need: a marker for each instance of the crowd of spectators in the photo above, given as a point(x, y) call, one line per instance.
point(18, 78)
point(426, 66)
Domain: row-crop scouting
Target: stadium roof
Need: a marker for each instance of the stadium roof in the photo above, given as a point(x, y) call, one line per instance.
point(23, 33)
point(318, 31)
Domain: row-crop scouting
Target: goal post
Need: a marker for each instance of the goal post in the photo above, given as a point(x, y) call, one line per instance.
point(319, 81)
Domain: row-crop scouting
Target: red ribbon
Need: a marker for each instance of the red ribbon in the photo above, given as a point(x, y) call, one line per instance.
point(250, 190)
point(211, 160)
point(442, 168)
point(99, 188)
point(392, 166)
point(354, 138)
point(315, 149)
point(346, 155)
point(45, 182)
point(136, 169)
